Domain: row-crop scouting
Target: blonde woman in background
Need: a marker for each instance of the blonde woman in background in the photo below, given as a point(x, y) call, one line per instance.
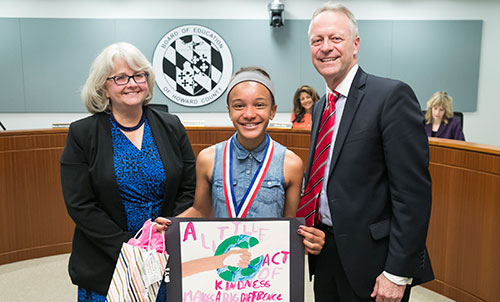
point(439, 121)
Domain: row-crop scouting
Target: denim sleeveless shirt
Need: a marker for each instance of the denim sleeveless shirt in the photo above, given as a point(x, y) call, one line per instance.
point(270, 198)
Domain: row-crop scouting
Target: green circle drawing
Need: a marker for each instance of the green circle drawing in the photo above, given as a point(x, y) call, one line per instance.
point(233, 273)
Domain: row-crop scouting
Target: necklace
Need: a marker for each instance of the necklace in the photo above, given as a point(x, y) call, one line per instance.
point(129, 129)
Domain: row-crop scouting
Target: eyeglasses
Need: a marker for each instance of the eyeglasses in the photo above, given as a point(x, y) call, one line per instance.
point(139, 78)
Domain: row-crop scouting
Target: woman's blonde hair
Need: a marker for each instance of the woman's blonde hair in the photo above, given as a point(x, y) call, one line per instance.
point(94, 93)
point(439, 99)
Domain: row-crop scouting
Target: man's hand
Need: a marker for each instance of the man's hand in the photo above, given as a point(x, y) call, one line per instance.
point(387, 291)
point(314, 239)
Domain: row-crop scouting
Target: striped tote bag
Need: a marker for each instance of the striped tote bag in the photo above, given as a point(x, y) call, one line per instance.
point(138, 274)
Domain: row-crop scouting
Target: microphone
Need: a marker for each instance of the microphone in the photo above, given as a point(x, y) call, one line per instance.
point(1, 125)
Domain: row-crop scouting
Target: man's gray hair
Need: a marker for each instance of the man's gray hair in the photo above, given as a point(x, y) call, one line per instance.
point(338, 8)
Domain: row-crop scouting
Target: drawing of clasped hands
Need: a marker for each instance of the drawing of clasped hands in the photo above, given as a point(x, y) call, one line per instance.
point(237, 257)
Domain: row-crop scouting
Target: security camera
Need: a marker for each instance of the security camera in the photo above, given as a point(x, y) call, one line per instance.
point(276, 13)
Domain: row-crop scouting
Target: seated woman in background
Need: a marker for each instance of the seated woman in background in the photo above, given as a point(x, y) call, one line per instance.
point(303, 101)
point(123, 165)
point(439, 118)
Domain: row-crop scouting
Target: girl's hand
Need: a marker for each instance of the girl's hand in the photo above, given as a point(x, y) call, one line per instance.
point(161, 224)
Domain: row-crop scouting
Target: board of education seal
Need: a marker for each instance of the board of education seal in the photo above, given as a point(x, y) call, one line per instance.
point(193, 65)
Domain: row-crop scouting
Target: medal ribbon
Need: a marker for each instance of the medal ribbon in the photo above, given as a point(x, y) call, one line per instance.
point(234, 210)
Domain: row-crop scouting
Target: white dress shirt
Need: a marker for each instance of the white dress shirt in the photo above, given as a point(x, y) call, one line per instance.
point(343, 90)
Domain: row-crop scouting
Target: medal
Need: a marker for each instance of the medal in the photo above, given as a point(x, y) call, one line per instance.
point(241, 211)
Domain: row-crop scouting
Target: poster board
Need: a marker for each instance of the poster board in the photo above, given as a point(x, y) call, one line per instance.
point(204, 256)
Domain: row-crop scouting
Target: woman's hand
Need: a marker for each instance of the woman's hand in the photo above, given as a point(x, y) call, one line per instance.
point(161, 224)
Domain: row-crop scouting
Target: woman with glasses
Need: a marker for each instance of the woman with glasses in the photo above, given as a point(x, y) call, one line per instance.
point(123, 165)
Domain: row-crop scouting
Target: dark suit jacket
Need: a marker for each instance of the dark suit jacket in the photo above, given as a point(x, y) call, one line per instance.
point(452, 130)
point(92, 197)
point(379, 187)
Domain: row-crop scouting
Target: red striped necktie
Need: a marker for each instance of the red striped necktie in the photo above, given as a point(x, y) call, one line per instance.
point(309, 202)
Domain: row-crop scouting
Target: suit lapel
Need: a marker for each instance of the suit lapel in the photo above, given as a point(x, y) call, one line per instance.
point(356, 94)
point(106, 164)
point(161, 138)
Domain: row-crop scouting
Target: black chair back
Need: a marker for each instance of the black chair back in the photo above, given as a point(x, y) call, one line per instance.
point(159, 107)
point(460, 117)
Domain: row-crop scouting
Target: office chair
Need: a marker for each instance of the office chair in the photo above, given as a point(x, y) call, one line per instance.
point(460, 117)
point(159, 107)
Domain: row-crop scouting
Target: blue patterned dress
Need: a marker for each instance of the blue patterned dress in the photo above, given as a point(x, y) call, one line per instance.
point(141, 180)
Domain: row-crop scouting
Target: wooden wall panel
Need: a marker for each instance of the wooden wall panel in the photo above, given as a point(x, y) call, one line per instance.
point(463, 233)
point(33, 219)
point(203, 137)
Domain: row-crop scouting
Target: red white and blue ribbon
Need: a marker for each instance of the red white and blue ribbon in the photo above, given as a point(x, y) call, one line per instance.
point(241, 211)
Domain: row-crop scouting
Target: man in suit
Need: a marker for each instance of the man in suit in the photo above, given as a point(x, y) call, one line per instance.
point(373, 196)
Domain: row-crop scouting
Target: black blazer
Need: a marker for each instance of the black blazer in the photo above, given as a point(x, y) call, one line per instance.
point(92, 197)
point(379, 186)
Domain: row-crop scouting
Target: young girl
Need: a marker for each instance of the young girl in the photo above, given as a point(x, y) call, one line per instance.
point(250, 175)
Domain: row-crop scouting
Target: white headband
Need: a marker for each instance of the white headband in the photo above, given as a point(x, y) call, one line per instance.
point(253, 76)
